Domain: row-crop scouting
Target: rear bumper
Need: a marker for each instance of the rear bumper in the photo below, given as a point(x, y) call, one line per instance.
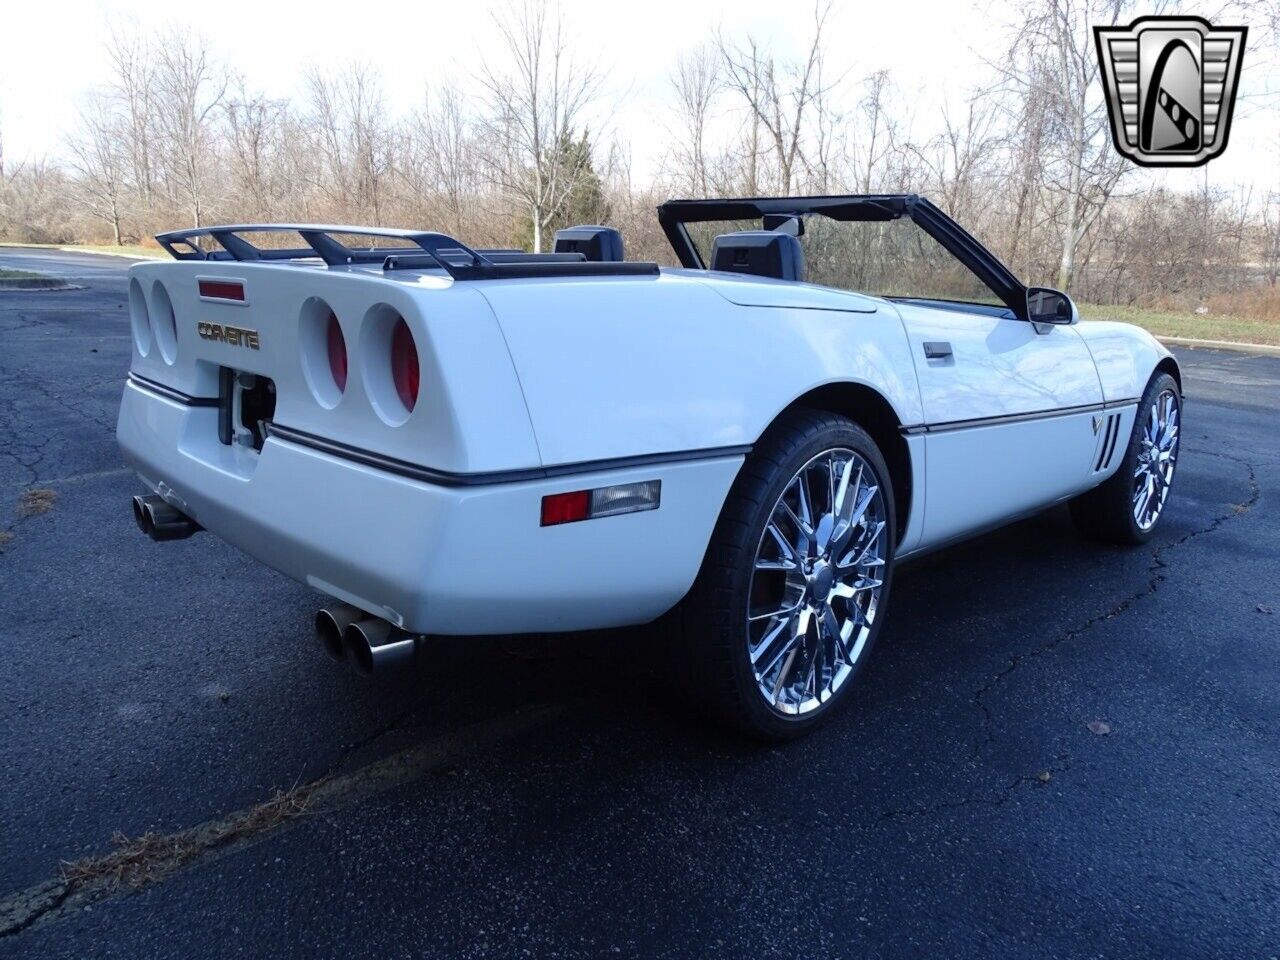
point(430, 558)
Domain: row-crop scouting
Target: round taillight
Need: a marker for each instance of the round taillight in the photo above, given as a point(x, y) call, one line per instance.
point(337, 352)
point(404, 364)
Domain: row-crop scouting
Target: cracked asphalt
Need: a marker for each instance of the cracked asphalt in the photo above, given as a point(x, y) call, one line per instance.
point(556, 797)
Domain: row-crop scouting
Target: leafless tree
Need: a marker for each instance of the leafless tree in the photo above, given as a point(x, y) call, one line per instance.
point(99, 163)
point(348, 122)
point(880, 129)
point(536, 97)
point(440, 159)
point(133, 87)
point(189, 89)
point(695, 83)
point(1051, 63)
point(779, 96)
point(255, 128)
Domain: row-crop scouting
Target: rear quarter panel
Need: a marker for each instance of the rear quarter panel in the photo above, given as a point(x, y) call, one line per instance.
point(627, 367)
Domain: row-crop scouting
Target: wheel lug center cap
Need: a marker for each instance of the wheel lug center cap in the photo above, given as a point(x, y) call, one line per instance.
point(821, 579)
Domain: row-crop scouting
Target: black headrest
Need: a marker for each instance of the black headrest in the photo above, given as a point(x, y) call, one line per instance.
point(599, 244)
point(761, 253)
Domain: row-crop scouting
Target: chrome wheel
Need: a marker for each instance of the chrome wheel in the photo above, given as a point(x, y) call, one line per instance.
point(1157, 457)
point(817, 581)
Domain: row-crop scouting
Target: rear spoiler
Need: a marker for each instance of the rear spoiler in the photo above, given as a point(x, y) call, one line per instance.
point(422, 250)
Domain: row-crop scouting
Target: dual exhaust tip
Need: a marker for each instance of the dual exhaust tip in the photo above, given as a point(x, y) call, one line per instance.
point(162, 521)
point(371, 645)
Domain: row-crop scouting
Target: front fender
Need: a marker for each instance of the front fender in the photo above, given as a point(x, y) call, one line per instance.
point(1126, 356)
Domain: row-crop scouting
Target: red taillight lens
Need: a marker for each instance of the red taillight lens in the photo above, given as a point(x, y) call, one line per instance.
point(222, 290)
point(404, 364)
point(566, 507)
point(337, 353)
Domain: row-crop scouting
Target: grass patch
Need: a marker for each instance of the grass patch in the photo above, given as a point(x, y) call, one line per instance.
point(137, 862)
point(35, 502)
point(19, 275)
point(1198, 326)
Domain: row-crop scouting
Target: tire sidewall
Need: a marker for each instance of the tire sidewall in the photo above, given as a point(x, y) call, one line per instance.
point(1157, 385)
point(773, 724)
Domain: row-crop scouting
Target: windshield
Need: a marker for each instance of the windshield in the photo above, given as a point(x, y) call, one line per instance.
point(884, 258)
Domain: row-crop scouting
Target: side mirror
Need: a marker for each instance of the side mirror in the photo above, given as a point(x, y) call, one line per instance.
point(1045, 305)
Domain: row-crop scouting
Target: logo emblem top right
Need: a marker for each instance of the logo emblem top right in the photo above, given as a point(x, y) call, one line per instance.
point(1171, 86)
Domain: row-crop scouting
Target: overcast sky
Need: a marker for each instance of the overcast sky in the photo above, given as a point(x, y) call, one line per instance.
point(51, 53)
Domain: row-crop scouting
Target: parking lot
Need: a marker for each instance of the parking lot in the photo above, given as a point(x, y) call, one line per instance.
point(1058, 749)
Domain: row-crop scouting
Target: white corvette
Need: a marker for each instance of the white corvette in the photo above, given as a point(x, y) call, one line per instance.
point(452, 441)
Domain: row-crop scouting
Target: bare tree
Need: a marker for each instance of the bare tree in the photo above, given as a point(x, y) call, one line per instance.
point(189, 89)
point(98, 159)
point(1081, 165)
point(132, 86)
point(440, 158)
point(1270, 237)
point(534, 102)
point(696, 81)
point(352, 135)
point(255, 128)
point(881, 128)
point(778, 95)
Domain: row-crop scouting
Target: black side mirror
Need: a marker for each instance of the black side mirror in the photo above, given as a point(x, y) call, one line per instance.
point(1045, 305)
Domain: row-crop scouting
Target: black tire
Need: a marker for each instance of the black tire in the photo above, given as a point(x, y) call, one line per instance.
point(711, 622)
point(1106, 513)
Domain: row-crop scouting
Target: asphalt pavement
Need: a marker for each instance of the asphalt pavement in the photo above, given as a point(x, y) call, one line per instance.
point(1057, 750)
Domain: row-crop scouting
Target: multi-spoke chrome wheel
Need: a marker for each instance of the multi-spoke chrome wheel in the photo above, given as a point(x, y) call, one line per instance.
point(817, 581)
point(1157, 458)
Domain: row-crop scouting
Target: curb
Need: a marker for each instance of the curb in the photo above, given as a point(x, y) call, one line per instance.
point(1257, 349)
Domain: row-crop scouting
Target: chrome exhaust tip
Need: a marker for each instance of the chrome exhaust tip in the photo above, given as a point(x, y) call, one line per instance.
point(141, 516)
point(375, 646)
point(331, 622)
point(160, 521)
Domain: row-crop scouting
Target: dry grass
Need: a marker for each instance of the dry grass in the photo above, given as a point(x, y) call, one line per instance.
point(1209, 326)
point(139, 861)
point(35, 502)
point(19, 275)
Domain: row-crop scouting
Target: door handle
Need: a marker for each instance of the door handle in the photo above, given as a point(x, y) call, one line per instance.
point(936, 350)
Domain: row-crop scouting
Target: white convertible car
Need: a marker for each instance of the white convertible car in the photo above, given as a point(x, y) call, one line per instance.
point(455, 441)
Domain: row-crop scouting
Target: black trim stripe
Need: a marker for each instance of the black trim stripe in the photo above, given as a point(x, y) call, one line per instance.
point(950, 425)
point(177, 396)
point(447, 478)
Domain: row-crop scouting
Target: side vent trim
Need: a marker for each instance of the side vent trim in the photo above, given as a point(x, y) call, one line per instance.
point(1109, 437)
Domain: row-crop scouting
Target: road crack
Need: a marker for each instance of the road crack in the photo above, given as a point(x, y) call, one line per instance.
point(998, 799)
point(1063, 761)
point(141, 862)
point(1156, 577)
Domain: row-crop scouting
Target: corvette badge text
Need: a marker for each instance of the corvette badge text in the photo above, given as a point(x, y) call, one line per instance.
point(1171, 86)
point(234, 336)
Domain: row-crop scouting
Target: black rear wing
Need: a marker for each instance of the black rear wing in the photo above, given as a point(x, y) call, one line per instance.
point(421, 250)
